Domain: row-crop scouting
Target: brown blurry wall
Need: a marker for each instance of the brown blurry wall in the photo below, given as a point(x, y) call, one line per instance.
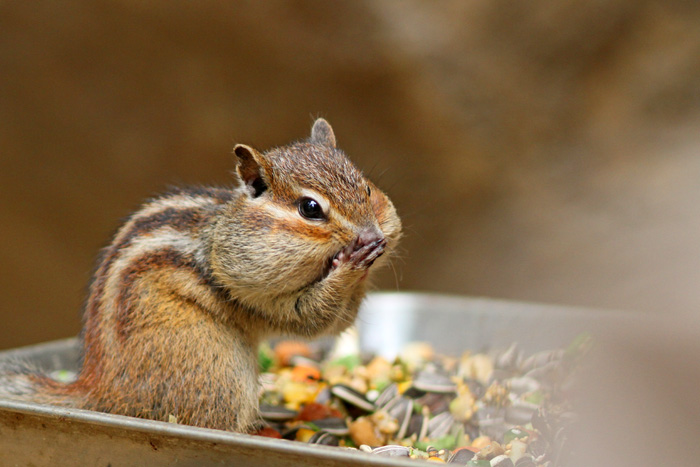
point(541, 150)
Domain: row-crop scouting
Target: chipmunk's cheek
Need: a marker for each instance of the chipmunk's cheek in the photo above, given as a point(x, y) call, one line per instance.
point(331, 264)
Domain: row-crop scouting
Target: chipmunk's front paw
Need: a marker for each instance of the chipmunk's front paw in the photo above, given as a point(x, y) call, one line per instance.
point(362, 252)
point(364, 257)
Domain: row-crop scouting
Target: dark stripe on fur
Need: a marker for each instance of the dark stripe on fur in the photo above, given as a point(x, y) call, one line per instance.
point(218, 195)
point(167, 258)
point(178, 219)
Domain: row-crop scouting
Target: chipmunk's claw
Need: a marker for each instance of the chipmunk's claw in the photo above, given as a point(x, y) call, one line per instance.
point(362, 252)
point(365, 256)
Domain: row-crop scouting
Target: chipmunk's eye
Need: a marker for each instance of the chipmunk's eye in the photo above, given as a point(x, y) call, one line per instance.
point(369, 192)
point(311, 209)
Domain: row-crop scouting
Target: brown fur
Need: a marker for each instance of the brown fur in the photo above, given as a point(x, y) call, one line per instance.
point(196, 279)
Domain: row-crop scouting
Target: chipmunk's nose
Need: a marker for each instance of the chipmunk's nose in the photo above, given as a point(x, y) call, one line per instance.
point(369, 236)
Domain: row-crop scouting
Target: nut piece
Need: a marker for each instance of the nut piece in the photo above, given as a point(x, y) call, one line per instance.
point(490, 451)
point(285, 350)
point(362, 432)
point(481, 442)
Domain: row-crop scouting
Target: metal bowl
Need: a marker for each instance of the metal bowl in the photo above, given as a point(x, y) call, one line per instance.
point(44, 435)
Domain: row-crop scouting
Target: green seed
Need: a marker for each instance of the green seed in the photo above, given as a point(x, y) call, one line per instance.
point(535, 397)
point(266, 357)
point(349, 361)
point(514, 433)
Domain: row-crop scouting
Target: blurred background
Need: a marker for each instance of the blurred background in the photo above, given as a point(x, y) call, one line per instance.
point(539, 151)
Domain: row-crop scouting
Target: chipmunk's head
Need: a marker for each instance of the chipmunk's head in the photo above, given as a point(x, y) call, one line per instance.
point(303, 210)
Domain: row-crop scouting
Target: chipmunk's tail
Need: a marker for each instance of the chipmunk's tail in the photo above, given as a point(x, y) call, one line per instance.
point(20, 381)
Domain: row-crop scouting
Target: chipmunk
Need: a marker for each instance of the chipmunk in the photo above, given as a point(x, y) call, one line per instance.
point(196, 279)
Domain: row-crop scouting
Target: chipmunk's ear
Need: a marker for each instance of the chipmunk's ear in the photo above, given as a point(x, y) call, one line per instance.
point(249, 169)
point(322, 133)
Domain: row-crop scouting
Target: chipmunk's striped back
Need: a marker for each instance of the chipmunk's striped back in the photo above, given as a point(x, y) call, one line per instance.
point(165, 234)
